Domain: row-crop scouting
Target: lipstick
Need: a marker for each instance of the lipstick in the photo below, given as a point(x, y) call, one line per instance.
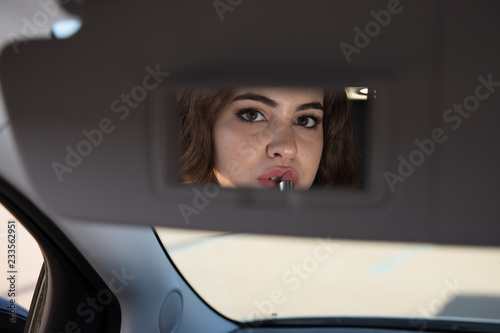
point(286, 183)
point(273, 177)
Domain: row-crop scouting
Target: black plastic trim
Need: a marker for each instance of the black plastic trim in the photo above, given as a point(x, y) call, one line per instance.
point(69, 273)
point(408, 324)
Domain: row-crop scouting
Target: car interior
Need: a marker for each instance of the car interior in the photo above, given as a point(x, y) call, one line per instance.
point(89, 165)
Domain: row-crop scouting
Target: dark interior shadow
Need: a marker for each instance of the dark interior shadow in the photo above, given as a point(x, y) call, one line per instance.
point(478, 306)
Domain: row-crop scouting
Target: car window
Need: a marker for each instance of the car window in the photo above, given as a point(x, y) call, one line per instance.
point(21, 260)
point(252, 277)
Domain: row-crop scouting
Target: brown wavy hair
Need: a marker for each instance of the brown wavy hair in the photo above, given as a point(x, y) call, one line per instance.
point(200, 107)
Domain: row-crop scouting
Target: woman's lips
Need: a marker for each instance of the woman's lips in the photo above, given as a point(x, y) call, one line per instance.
point(287, 176)
point(268, 182)
point(277, 173)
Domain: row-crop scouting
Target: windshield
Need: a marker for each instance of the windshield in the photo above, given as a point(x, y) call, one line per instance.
point(249, 277)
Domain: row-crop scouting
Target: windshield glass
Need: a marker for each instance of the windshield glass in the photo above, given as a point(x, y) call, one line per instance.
point(248, 277)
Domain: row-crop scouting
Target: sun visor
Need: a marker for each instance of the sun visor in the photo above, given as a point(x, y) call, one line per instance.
point(96, 123)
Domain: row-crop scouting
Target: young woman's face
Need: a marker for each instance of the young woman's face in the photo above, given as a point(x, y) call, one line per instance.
point(265, 132)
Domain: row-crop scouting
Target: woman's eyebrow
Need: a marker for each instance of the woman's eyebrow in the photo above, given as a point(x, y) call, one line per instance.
point(256, 98)
point(271, 103)
point(314, 105)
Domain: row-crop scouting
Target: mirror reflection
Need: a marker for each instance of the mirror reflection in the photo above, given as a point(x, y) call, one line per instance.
point(281, 138)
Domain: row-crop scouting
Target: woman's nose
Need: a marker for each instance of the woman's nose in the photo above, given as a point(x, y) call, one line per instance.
point(282, 143)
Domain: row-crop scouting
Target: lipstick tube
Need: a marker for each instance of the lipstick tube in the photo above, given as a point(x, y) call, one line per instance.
point(286, 183)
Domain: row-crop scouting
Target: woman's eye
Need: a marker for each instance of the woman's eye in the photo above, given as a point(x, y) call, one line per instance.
point(307, 121)
point(251, 115)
